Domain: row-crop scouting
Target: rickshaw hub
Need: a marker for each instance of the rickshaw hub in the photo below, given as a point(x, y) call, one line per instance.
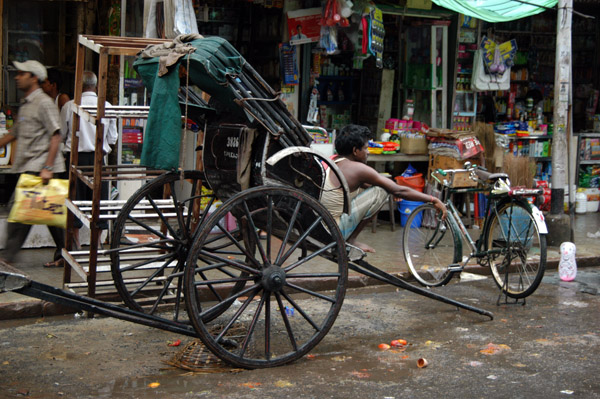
point(273, 278)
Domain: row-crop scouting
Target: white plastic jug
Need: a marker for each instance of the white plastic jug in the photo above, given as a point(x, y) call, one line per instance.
point(581, 203)
point(385, 136)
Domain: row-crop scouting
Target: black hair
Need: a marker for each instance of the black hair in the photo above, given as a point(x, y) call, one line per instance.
point(351, 137)
point(54, 77)
point(298, 26)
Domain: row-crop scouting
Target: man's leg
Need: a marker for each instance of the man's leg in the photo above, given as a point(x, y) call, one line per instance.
point(363, 208)
point(16, 234)
point(58, 235)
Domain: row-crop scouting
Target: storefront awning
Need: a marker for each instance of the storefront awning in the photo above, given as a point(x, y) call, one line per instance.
point(497, 10)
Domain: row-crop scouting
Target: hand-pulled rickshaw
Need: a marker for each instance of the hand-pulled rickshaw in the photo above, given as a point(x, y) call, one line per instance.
point(239, 251)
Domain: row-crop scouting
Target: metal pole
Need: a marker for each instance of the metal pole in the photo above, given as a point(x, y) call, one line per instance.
point(562, 99)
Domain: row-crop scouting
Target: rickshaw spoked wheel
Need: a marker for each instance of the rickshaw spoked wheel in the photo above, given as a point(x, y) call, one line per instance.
point(289, 274)
point(151, 238)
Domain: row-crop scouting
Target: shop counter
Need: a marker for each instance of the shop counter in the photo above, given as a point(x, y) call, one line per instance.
point(398, 157)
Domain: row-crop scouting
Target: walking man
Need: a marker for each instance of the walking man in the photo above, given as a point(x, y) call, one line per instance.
point(37, 127)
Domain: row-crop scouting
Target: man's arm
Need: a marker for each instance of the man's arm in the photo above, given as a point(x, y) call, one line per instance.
point(372, 177)
point(66, 117)
point(55, 141)
point(62, 100)
point(7, 138)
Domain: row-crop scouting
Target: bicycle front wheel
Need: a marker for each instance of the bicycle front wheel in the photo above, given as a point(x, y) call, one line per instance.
point(517, 250)
point(429, 246)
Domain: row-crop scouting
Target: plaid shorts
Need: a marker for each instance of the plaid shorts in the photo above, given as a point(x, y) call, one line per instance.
point(363, 206)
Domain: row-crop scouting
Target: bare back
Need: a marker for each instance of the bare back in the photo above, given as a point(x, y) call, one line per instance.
point(359, 174)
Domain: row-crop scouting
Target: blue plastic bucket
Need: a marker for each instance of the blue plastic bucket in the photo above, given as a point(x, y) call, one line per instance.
point(406, 207)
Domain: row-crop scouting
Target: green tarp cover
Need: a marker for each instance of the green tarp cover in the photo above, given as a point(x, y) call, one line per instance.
point(209, 64)
point(497, 10)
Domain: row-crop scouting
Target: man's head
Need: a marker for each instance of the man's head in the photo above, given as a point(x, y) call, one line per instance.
point(52, 84)
point(299, 29)
point(29, 74)
point(90, 81)
point(351, 138)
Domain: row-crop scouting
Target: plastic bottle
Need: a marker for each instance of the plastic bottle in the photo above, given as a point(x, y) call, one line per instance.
point(395, 137)
point(9, 119)
point(385, 136)
point(329, 93)
point(2, 121)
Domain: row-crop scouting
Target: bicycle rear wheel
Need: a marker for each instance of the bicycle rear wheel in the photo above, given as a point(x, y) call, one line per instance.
point(429, 246)
point(517, 250)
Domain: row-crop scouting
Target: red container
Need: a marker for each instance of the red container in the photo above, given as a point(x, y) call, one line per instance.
point(415, 182)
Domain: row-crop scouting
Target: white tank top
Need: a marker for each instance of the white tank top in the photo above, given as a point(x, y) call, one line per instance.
point(332, 197)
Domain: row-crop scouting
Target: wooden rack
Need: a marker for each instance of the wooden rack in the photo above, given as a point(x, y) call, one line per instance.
point(104, 46)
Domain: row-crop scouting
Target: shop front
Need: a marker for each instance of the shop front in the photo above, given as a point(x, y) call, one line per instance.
point(433, 71)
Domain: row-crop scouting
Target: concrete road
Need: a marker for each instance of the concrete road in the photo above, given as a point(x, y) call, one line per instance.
point(548, 348)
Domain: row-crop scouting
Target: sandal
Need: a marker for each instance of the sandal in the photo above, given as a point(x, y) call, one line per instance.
point(56, 263)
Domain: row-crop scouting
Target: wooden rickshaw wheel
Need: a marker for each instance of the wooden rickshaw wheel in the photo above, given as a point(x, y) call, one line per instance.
point(281, 312)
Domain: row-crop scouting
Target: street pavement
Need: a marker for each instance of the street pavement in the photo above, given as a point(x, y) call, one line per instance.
point(546, 348)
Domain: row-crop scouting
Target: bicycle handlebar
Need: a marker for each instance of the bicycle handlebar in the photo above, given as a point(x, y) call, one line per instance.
point(441, 172)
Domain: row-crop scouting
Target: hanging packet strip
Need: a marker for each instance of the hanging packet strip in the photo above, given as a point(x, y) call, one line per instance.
point(483, 81)
point(376, 35)
point(494, 54)
point(313, 107)
point(288, 64)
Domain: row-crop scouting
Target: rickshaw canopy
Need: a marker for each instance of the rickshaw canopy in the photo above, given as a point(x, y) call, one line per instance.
point(207, 61)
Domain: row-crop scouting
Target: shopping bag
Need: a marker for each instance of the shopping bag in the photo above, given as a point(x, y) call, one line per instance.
point(38, 203)
point(482, 81)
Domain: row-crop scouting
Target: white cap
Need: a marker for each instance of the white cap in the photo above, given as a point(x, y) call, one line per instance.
point(34, 67)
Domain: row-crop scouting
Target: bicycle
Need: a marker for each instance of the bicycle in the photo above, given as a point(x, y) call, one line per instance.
point(512, 242)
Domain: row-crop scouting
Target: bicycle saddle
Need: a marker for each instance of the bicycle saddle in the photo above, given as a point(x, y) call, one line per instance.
point(489, 177)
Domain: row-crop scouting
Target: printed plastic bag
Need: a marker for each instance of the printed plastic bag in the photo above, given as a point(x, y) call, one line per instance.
point(409, 171)
point(185, 18)
point(38, 203)
point(481, 81)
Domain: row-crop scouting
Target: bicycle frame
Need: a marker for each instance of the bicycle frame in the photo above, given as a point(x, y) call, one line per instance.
point(456, 223)
point(492, 204)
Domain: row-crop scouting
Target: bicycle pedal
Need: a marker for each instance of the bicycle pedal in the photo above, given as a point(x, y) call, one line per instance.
point(455, 267)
